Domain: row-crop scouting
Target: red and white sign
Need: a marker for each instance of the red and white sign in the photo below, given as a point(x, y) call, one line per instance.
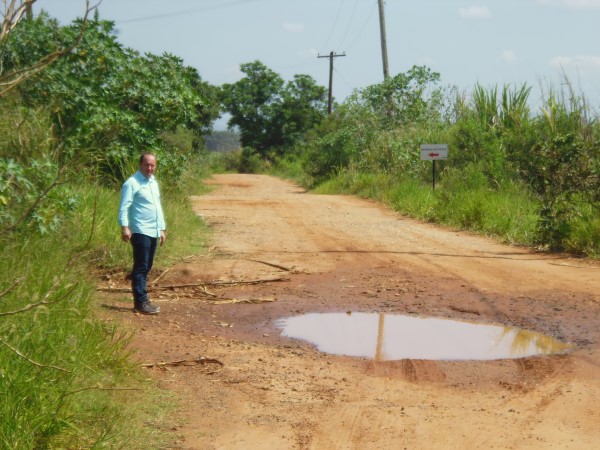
point(433, 152)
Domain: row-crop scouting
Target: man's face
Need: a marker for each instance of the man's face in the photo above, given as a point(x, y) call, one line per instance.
point(148, 166)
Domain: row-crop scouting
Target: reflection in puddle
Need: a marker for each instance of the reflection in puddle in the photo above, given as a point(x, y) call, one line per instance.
point(387, 337)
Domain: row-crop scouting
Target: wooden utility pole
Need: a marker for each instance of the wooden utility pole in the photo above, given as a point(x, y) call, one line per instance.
point(330, 97)
point(386, 70)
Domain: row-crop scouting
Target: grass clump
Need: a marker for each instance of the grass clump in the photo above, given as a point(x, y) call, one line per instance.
point(58, 363)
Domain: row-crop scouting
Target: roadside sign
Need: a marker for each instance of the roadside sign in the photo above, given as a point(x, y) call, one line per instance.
point(434, 152)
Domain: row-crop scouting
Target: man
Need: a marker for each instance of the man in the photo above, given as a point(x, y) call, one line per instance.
point(143, 224)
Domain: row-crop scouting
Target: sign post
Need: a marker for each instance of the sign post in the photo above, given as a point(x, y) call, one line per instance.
point(434, 152)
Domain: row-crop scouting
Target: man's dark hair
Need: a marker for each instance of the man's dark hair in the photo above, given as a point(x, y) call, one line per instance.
point(143, 155)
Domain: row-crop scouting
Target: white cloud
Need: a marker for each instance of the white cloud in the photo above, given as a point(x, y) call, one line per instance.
point(293, 27)
point(579, 61)
point(574, 4)
point(475, 12)
point(509, 56)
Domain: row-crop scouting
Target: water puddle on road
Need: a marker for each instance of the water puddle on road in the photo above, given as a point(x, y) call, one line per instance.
point(388, 337)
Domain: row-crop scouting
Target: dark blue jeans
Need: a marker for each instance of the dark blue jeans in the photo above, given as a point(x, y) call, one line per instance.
point(144, 248)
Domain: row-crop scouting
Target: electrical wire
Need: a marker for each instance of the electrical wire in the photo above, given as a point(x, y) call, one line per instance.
point(185, 12)
point(349, 23)
point(343, 79)
point(367, 20)
point(337, 16)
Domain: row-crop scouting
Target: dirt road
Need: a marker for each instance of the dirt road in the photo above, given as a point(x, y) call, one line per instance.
point(342, 254)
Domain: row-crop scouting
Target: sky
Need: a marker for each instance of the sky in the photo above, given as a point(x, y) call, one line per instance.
point(491, 43)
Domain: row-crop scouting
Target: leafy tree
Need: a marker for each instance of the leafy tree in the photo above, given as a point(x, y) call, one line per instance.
point(302, 107)
point(270, 114)
point(109, 102)
point(561, 165)
point(102, 104)
point(361, 130)
point(13, 13)
point(406, 98)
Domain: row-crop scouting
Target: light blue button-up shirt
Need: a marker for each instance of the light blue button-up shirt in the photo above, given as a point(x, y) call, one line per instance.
point(140, 207)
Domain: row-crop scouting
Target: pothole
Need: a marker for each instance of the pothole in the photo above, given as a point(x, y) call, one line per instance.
point(388, 337)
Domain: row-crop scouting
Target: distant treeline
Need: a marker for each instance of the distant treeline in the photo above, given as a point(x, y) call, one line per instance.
point(222, 141)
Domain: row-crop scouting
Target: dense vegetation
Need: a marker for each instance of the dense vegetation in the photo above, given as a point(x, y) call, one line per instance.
point(78, 108)
point(528, 177)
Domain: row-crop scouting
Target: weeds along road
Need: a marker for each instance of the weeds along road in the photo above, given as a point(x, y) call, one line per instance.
point(343, 254)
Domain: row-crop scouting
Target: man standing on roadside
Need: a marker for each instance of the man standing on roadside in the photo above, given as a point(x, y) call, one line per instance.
point(143, 225)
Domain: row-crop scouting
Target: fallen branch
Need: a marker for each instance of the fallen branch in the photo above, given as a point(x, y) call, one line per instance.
point(277, 266)
point(230, 301)
point(198, 285)
point(232, 283)
point(186, 362)
point(159, 277)
point(204, 291)
point(465, 311)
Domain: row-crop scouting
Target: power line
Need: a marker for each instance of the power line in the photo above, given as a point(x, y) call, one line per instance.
point(184, 12)
point(343, 79)
point(337, 16)
point(367, 20)
point(349, 24)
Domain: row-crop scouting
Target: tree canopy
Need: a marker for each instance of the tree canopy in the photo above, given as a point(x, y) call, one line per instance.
point(270, 114)
point(108, 102)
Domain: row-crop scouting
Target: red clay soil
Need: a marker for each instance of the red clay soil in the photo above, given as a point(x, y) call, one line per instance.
point(258, 389)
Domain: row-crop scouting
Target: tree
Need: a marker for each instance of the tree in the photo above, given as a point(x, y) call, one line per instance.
point(405, 98)
point(98, 106)
point(14, 11)
point(109, 102)
point(270, 114)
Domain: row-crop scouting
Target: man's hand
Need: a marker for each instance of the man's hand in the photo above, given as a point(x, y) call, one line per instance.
point(125, 234)
point(163, 237)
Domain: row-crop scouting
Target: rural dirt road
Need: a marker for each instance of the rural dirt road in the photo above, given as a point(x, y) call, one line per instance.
point(258, 389)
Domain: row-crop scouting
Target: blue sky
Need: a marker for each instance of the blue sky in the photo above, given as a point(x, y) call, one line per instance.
point(495, 42)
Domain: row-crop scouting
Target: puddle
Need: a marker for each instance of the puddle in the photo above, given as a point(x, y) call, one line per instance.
point(388, 337)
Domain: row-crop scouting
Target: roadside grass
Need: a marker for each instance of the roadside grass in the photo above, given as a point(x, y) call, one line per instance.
point(290, 168)
point(462, 200)
point(469, 197)
point(59, 366)
point(66, 377)
point(585, 234)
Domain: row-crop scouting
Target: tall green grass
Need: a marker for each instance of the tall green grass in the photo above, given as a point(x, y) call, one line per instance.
point(54, 356)
point(527, 176)
point(66, 377)
point(462, 200)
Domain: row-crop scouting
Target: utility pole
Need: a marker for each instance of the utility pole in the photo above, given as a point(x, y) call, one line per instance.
point(386, 70)
point(331, 56)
